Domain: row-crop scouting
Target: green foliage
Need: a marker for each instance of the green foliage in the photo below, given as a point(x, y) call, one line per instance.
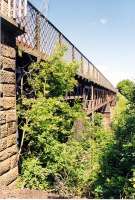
point(120, 108)
point(98, 120)
point(117, 177)
point(62, 147)
point(64, 150)
point(58, 158)
point(126, 87)
point(53, 77)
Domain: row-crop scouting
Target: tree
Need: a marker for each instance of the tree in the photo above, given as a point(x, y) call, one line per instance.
point(62, 146)
point(126, 87)
point(117, 176)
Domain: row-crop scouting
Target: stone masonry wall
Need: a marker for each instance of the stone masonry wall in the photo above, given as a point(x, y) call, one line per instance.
point(8, 144)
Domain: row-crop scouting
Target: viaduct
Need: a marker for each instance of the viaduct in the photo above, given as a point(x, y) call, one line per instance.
point(24, 27)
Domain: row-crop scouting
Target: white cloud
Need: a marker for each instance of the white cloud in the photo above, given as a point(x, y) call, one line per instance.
point(103, 21)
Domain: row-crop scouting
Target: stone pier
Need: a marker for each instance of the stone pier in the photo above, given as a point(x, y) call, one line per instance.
point(8, 119)
point(107, 117)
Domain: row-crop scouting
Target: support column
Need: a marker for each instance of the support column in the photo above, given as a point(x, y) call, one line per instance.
point(92, 98)
point(107, 117)
point(8, 118)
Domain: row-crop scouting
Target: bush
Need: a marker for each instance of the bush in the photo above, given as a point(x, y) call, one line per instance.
point(62, 146)
point(116, 178)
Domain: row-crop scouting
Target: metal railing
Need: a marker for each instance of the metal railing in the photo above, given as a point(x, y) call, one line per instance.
point(42, 36)
point(14, 9)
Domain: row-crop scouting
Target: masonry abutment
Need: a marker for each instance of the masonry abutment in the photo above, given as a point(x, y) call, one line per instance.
point(8, 118)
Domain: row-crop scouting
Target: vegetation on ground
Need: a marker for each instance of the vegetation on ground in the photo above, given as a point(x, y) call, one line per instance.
point(117, 176)
point(65, 151)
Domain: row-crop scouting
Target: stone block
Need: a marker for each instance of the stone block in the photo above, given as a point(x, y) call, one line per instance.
point(3, 144)
point(11, 140)
point(2, 118)
point(7, 103)
point(13, 161)
point(3, 131)
point(7, 116)
point(8, 90)
point(7, 153)
point(8, 51)
point(5, 166)
point(7, 129)
point(1, 103)
point(7, 63)
point(11, 116)
point(11, 128)
point(9, 177)
point(7, 142)
point(7, 77)
point(13, 185)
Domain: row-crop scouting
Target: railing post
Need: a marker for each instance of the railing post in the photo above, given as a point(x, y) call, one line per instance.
point(37, 32)
point(92, 99)
point(73, 53)
point(14, 9)
point(89, 70)
point(93, 73)
point(2, 5)
point(20, 9)
point(96, 76)
point(81, 64)
point(92, 93)
point(25, 7)
point(9, 8)
point(60, 39)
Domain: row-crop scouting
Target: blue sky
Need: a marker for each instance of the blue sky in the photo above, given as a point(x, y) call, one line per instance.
point(104, 30)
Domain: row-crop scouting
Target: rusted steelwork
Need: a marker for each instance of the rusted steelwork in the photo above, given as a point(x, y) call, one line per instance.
point(41, 37)
point(93, 98)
